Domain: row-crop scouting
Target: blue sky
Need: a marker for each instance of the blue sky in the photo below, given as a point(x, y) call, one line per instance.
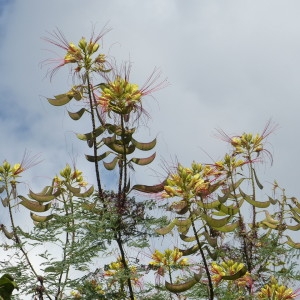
point(231, 65)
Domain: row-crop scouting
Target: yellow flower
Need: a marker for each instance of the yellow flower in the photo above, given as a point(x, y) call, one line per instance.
point(168, 258)
point(275, 291)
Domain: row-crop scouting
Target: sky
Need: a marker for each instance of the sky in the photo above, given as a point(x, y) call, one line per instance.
point(230, 64)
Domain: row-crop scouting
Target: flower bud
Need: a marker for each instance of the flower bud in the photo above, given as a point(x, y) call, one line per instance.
point(82, 44)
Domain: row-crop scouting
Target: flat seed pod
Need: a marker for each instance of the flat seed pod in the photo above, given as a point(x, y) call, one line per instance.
point(72, 189)
point(37, 218)
point(144, 146)
point(85, 194)
point(143, 161)
point(76, 115)
point(40, 198)
point(60, 100)
point(215, 223)
point(8, 234)
point(237, 275)
point(181, 287)
point(151, 189)
point(34, 205)
point(291, 243)
point(166, 229)
point(255, 203)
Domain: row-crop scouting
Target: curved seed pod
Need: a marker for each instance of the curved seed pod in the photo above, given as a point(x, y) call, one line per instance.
point(223, 199)
point(38, 218)
point(121, 149)
point(215, 223)
point(72, 189)
point(296, 217)
point(187, 239)
point(191, 250)
point(296, 202)
point(89, 136)
point(295, 208)
point(165, 230)
point(60, 100)
point(293, 227)
point(182, 287)
point(57, 192)
point(210, 205)
point(40, 198)
point(228, 227)
point(273, 201)
point(218, 213)
point(178, 206)
point(183, 229)
point(8, 234)
point(2, 188)
point(256, 180)
point(230, 210)
point(92, 158)
point(113, 128)
point(151, 189)
point(34, 205)
point(76, 115)
point(109, 140)
point(211, 240)
point(270, 219)
point(255, 203)
point(143, 161)
point(5, 201)
point(227, 192)
point(237, 275)
point(291, 243)
point(266, 224)
point(47, 190)
point(111, 165)
point(182, 222)
point(144, 146)
point(85, 194)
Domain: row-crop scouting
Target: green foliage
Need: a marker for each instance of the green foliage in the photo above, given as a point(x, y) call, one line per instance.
point(7, 285)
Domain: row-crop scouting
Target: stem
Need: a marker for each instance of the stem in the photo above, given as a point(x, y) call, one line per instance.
point(17, 239)
point(94, 141)
point(254, 227)
point(121, 202)
point(127, 270)
point(242, 229)
point(210, 285)
point(70, 230)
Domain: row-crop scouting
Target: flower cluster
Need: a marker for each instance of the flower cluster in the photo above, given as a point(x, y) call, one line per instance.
point(168, 258)
point(70, 176)
point(247, 143)
point(229, 164)
point(81, 54)
point(228, 268)
point(120, 96)
point(188, 183)
point(116, 270)
point(274, 291)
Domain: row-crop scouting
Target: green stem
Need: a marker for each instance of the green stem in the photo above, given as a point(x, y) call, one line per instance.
point(126, 268)
point(100, 191)
point(242, 228)
point(210, 285)
point(17, 239)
